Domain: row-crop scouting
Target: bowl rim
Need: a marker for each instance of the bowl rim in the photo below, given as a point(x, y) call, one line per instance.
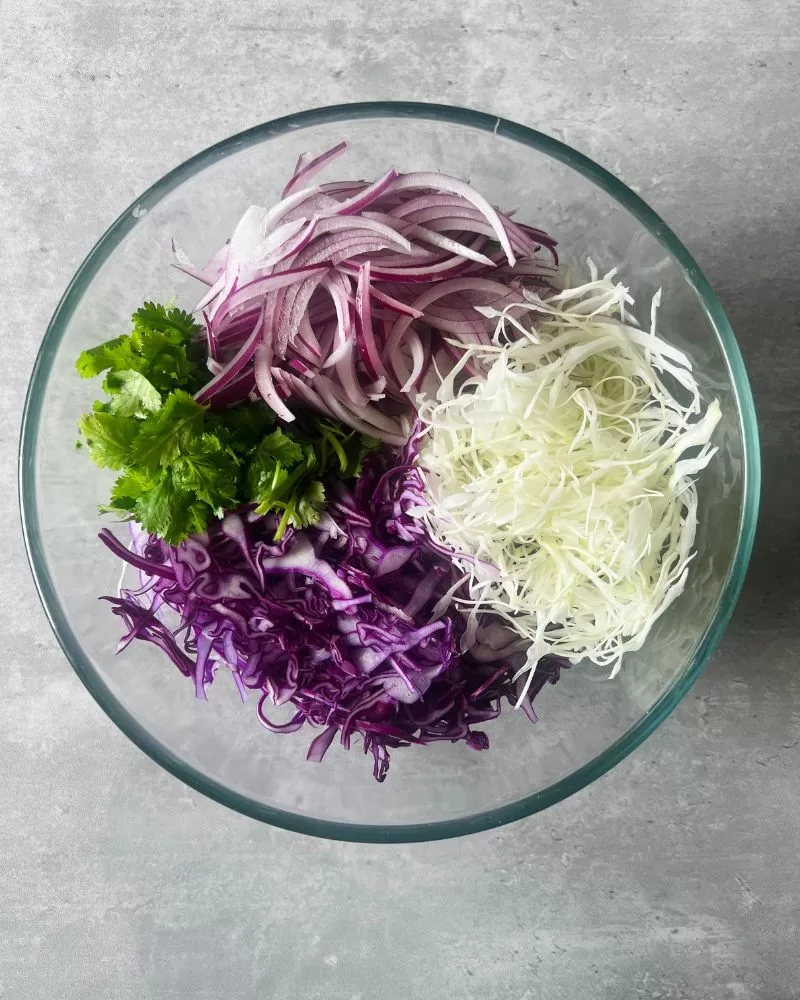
point(365, 832)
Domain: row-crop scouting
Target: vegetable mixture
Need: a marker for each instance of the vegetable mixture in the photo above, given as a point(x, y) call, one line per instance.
point(395, 468)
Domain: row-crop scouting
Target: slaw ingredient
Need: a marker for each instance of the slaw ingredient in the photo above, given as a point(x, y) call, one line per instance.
point(347, 621)
point(182, 465)
point(567, 472)
point(342, 297)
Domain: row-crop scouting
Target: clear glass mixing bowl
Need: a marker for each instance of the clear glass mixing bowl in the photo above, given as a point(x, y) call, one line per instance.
point(587, 724)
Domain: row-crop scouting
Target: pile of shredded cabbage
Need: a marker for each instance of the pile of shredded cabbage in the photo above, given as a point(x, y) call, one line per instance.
point(566, 471)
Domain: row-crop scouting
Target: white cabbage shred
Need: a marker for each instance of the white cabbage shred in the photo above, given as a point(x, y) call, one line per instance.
point(563, 471)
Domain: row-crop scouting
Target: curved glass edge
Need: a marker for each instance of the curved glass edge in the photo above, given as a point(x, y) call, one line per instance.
point(365, 833)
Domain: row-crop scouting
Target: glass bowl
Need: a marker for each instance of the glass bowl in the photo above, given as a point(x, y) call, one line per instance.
point(587, 723)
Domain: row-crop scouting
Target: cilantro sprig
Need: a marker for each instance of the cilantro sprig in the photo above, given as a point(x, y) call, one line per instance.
point(183, 465)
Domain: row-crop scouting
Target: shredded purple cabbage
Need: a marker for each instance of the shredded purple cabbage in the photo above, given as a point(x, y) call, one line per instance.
point(338, 620)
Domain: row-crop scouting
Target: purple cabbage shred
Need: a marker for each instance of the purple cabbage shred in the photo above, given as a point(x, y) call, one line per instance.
point(336, 621)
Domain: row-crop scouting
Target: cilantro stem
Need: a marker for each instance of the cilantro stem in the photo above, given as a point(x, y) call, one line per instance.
point(331, 439)
point(283, 523)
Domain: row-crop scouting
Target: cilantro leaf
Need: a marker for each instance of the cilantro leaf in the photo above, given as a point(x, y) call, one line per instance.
point(309, 506)
point(243, 427)
point(174, 323)
point(116, 354)
point(110, 438)
point(170, 512)
point(129, 487)
point(282, 448)
point(267, 480)
point(168, 365)
point(277, 465)
point(341, 449)
point(159, 503)
point(161, 347)
point(284, 477)
point(210, 471)
point(132, 393)
point(170, 431)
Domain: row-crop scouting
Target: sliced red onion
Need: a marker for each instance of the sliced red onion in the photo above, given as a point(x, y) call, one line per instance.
point(368, 195)
point(304, 392)
point(422, 259)
point(335, 248)
point(306, 343)
point(427, 200)
point(252, 294)
point(234, 367)
point(432, 208)
point(266, 386)
point(365, 337)
point(391, 350)
point(332, 392)
point(306, 169)
point(441, 182)
point(236, 391)
point(419, 356)
point(195, 272)
point(445, 243)
point(369, 420)
point(394, 304)
point(215, 290)
point(343, 354)
point(314, 298)
point(294, 303)
point(211, 340)
point(288, 250)
point(375, 390)
point(470, 220)
point(285, 205)
point(180, 255)
point(451, 267)
point(437, 239)
point(279, 243)
point(343, 187)
point(183, 263)
point(346, 373)
point(365, 224)
point(345, 335)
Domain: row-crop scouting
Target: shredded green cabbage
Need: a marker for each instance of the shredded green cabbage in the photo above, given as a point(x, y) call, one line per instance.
point(565, 470)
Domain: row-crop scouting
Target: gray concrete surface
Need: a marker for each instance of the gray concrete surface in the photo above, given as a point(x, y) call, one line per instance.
point(673, 878)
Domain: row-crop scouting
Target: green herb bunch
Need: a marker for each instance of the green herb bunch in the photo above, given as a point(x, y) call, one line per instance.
point(182, 464)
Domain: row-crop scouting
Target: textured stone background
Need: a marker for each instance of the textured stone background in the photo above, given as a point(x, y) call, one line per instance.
point(673, 877)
